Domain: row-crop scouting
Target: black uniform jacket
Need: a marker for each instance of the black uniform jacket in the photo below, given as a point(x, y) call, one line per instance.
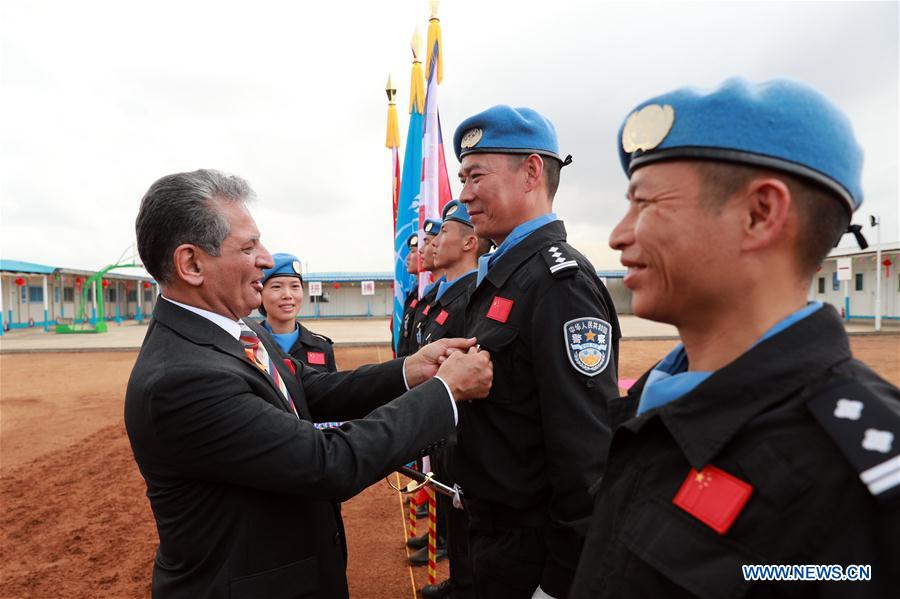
point(539, 441)
point(420, 313)
point(447, 316)
point(314, 350)
point(406, 331)
point(752, 419)
point(240, 488)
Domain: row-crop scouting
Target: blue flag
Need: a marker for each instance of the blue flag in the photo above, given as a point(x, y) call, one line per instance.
point(407, 216)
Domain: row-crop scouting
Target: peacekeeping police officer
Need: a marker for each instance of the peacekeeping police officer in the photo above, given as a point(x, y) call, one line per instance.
point(430, 228)
point(760, 440)
point(456, 253)
point(404, 347)
point(526, 457)
point(282, 298)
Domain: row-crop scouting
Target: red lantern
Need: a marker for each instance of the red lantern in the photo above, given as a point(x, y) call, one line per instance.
point(146, 284)
point(105, 283)
point(886, 263)
point(20, 281)
point(78, 281)
point(336, 285)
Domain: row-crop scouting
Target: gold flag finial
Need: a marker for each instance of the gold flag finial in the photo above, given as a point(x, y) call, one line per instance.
point(416, 44)
point(392, 139)
point(390, 90)
point(434, 4)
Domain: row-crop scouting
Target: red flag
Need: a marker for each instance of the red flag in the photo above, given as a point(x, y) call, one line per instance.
point(714, 497)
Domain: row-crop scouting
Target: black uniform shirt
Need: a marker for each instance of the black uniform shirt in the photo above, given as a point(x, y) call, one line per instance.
point(447, 315)
point(422, 310)
point(539, 441)
point(406, 330)
point(753, 420)
point(314, 350)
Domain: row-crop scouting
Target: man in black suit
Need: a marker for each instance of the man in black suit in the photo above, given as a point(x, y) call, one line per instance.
point(239, 480)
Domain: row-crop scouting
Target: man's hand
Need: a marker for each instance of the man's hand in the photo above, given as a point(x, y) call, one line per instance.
point(424, 364)
point(469, 375)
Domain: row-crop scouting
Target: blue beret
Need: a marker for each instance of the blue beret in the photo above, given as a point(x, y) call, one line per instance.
point(780, 124)
point(503, 129)
point(431, 226)
point(413, 241)
point(286, 265)
point(456, 210)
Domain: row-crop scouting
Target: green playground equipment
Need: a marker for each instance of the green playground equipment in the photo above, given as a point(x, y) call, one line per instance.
point(100, 326)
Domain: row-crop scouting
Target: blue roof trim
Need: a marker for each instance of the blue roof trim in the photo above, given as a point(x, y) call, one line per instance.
point(612, 274)
point(340, 277)
point(30, 267)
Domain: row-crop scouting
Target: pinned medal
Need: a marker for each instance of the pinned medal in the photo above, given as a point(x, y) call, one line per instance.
point(588, 344)
point(647, 128)
point(471, 138)
point(296, 266)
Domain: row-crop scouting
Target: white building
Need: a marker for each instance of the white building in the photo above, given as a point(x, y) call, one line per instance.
point(855, 298)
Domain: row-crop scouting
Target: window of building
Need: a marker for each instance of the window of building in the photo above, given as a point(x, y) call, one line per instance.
point(821, 284)
point(131, 295)
point(148, 295)
point(859, 281)
point(35, 295)
point(835, 284)
point(68, 294)
point(111, 297)
point(56, 295)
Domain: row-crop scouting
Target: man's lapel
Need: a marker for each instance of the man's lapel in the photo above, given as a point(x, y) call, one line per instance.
point(201, 331)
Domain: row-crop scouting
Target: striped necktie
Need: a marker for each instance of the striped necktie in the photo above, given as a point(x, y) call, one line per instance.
point(257, 354)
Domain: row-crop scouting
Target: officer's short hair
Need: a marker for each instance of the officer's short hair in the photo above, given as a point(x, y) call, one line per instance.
point(552, 167)
point(822, 215)
point(181, 208)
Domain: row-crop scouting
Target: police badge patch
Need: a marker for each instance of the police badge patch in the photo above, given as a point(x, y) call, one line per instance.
point(588, 344)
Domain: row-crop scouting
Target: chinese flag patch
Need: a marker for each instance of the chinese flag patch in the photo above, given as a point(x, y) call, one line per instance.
point(442, 317)
point(414, 303)
point(500, 309)
point(714, 497)
point(426, 310)
point(315, 357)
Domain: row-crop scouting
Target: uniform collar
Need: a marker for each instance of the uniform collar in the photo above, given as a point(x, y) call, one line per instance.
point(232, 327)
point(450, 290)
point(519, 232)
point(506, 265)
point(707, 417)
point(306, 337)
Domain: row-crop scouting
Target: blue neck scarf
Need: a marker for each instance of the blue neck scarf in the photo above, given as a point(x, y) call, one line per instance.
point(670, 379)
point(515, 237)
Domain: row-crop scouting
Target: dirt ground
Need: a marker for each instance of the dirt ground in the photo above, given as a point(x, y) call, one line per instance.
point(74, 521)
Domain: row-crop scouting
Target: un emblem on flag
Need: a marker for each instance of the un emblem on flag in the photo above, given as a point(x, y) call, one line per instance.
point(587, 343)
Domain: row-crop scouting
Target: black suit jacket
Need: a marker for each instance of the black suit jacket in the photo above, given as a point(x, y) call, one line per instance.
point(240, 488)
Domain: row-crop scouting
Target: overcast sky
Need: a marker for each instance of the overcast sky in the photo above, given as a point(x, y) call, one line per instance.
point(98, 99)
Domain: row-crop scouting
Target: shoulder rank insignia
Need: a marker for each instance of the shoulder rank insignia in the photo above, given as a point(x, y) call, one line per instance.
point(588, 344)
point(866, 430)
point(557, 260)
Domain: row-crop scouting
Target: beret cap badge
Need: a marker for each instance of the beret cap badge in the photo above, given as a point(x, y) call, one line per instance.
point(646, 128)
point(452, 209)
point(471, 138)
point(296, 266)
